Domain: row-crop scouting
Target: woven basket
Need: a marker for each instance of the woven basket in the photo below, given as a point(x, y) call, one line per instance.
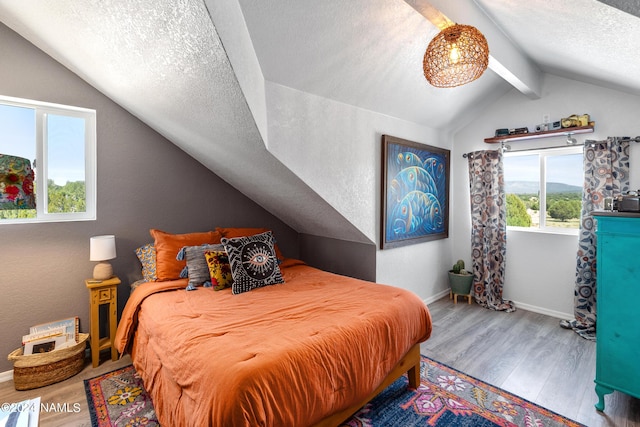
point(39, 370)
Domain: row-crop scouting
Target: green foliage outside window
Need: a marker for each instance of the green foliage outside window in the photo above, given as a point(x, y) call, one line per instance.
point(517, 215)
point(564, 209)
point(17, 213)
point(67, 198)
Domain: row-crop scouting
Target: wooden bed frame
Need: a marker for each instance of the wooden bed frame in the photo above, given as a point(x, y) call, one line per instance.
point(410, 364)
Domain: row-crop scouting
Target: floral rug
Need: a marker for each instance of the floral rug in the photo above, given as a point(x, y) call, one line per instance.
point(446, 397)
point(118, 398)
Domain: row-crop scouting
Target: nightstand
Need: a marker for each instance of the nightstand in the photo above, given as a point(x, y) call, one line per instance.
point(103, 292)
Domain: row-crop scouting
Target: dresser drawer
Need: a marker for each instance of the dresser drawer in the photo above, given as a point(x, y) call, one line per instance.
point(104, 295)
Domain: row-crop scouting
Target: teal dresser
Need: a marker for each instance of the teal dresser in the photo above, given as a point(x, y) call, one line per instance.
point(618, 311)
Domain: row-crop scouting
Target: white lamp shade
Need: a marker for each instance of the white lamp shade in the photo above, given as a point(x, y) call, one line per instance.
point(102, 248)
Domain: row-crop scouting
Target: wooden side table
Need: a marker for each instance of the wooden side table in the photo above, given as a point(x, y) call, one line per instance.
point(103, 292)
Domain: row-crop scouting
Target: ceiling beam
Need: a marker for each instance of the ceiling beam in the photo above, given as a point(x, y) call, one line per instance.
point(505, 58)
point(630, 6)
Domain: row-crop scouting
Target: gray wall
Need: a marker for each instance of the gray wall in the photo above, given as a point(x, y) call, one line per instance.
point(339, 256)
point(144, 182)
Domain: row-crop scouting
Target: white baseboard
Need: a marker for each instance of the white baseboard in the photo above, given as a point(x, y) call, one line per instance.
point(519, 305)
point(436, 297)
point(545, 311)
point(6, 376)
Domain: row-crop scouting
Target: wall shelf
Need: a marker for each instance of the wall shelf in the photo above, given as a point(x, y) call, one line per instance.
point(536, 135)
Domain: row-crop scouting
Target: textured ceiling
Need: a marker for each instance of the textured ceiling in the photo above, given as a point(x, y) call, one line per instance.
point(366, 53)
point(584, 40)
point(164, 61)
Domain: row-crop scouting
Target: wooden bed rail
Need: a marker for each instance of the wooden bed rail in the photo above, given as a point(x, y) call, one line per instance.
point(410, 364)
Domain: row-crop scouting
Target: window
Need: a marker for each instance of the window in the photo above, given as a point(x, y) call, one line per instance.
point(47, 162)
point(544, 189)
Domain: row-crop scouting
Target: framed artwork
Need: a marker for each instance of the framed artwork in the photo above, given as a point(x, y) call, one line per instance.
point(44, 345)
point(415, 193)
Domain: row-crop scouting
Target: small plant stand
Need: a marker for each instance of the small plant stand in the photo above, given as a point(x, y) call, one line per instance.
point(455, 297)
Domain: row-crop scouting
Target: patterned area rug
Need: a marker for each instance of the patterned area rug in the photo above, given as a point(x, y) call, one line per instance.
point(118, 398)
point(446, 397)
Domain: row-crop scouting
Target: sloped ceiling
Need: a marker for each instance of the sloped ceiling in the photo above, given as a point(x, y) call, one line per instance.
point(582, 40)
point(366, 53)
point(168, 63)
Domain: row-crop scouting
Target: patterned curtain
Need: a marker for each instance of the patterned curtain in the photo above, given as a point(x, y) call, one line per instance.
point(488, 228)
point(606, 174)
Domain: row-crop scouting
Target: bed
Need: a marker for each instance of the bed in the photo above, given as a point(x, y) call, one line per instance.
point(306, 352)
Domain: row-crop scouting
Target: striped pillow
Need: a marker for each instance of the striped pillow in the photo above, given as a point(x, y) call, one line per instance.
point(197, 269)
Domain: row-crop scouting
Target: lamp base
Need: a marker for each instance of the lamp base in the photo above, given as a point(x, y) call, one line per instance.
point(102, 271)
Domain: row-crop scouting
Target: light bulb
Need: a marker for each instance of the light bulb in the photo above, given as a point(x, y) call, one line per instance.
point(454, 55)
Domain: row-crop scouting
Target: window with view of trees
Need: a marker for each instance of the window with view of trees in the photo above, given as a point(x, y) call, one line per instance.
point(544, 188)
point(57, 145)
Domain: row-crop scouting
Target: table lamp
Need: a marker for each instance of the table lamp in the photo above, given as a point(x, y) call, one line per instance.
point(102, 249)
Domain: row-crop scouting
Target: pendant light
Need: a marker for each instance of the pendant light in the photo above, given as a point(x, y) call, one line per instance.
point(459, 54)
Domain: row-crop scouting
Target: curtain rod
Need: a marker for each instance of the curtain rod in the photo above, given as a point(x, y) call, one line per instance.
point(507, 148)
point(616, 139)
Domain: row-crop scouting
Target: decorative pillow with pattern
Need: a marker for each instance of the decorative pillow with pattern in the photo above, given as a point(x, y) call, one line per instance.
point(219, 269)
point(147, 256)
point(168, 245)
point(197, 269)
point(253, 262)
point(230, 232)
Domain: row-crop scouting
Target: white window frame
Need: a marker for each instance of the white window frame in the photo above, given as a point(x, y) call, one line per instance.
point(42, 111)
point(543, 154)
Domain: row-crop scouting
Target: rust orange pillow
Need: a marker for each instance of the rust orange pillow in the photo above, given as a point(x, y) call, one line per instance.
point(168, 245)
point(231, 232)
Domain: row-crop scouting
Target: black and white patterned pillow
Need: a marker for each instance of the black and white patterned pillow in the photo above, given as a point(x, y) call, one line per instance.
point(253, 262)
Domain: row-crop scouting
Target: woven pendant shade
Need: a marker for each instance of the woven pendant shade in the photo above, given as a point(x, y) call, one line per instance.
point(459, 54)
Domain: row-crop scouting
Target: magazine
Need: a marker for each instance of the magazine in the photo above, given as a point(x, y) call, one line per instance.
point(71, 328)
point(20, 414)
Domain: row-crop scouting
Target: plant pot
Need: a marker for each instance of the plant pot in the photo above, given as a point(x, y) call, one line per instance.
point(460, 283)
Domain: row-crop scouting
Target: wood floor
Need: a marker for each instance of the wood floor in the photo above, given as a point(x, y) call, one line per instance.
point(68, 395)
point(525, 353)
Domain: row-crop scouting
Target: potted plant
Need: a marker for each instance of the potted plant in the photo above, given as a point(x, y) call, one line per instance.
point(460, 281)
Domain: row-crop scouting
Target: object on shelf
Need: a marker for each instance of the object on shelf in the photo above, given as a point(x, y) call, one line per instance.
point(575, 120)
point(629, 202)
point(519, 131)
point(544, 127)
point(536, 135)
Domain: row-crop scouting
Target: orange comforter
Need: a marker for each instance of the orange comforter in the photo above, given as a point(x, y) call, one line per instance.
point(283, 355)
